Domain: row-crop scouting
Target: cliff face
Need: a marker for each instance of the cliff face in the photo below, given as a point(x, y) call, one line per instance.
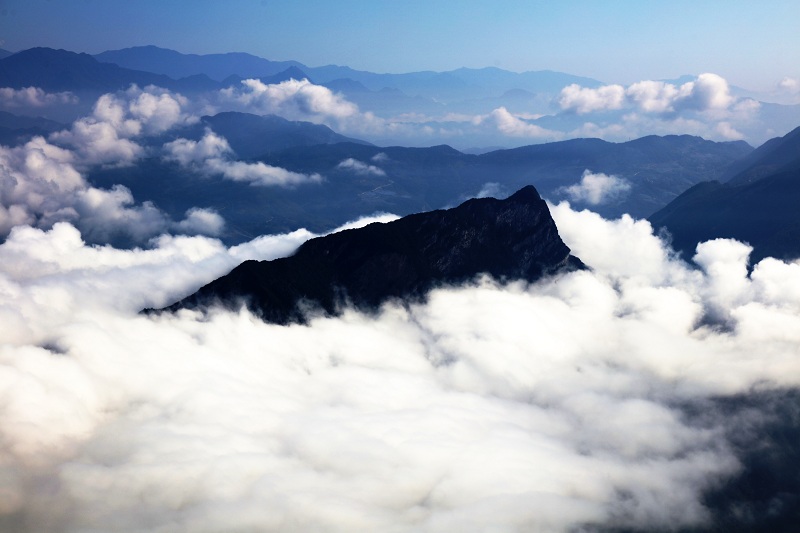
point(514, 238)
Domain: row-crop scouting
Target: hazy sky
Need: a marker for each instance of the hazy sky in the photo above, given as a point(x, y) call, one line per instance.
point(752, 44)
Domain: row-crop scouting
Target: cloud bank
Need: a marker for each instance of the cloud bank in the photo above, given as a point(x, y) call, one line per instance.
point(704, 107)
point(553, 406)
point(707, 92)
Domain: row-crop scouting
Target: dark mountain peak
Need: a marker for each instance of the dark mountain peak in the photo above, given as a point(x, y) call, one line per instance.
point(527, 194)
point(508, 239)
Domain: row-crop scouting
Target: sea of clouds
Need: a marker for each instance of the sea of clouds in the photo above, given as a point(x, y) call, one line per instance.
point(505, 406)
point(553, 406)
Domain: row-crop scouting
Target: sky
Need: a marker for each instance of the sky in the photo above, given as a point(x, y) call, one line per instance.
point(753, 45)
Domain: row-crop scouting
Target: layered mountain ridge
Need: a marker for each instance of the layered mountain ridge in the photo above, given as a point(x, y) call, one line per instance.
point(759, 205)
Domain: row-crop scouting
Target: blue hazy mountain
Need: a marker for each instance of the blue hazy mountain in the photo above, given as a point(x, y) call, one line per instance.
point(284, 75)
point(17, 129)
point(776, 155)
point(177, 65)
point(411, 180)
point(61, 70)
point(759, 205)
point(508, 239)
point(5, 53)
point(251, 135)
point(459, 83)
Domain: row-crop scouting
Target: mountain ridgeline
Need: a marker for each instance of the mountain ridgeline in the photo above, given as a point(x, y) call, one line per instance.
point(509, 239)
point(759, 205)
point(403, 180)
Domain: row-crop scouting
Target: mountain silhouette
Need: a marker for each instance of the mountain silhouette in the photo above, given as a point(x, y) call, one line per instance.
point(508, 239)
point(61, 70)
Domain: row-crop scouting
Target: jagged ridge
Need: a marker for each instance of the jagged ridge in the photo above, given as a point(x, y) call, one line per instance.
point(514, 238)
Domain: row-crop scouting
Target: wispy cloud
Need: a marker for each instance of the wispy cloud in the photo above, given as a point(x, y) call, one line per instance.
point(34, 97)
point(213, 155)
point(359, 167)
point(596, 189)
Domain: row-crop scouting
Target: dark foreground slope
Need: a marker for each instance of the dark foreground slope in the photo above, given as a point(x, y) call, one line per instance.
point(514, 238)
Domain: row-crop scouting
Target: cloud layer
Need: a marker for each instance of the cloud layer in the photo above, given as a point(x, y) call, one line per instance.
point(507, 406)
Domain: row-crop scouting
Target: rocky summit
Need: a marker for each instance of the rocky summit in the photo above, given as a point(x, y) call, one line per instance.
point(509, 239)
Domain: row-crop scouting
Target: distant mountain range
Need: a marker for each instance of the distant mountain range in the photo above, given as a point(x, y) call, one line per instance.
point(16, 129)
point(251, 136)
point(508, 239)
point(463, 82)
point(61, 70)
point(451, 107)
point(759, 204)
point(406, 180)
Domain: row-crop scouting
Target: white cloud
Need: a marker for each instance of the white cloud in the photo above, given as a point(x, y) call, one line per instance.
point(709, 92)
point(361, 168)
point(40, 183)
point(212, 154)
point(585, 100)
point(294, 97)
point(790, 85)
point(545, 407)
point(108, 135)
point(596, 189)
point(727, 131)
point(513, 126)
point(33, 97)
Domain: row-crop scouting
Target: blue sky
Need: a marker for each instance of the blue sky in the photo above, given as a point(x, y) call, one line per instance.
point(751, 44)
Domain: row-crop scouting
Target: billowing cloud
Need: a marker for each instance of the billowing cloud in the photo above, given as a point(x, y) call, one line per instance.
point(212, 154)
point(33, 97)
point(201, 221)
point(41, 186)
point(513, 126)
point(596, 189)
point(709, 92)
point(359, 167)
point(299, 98)
point(585, 100)
point(107, 136)
point(557, 406)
